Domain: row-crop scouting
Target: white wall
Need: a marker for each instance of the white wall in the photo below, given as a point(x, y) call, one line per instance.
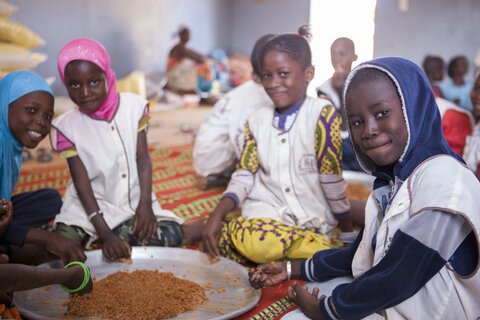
point(441, 27)
point(251, 19)
point(137, 33)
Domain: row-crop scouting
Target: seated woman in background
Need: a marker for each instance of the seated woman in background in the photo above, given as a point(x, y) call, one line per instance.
point(190, 72)
point(182, 65)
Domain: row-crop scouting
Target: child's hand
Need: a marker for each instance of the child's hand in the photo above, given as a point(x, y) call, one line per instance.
point(64, 248)
point(6, 213)
point(144, 223)
point(345, 225)
point(76, 278)
point(210, 237)
point(114, 248)
point(268, 274)
point(307, 302)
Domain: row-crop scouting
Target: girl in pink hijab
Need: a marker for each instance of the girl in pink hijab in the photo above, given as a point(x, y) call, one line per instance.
point(105, 143)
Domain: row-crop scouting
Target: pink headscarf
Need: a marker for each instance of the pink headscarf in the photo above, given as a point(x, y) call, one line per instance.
point(93, 51)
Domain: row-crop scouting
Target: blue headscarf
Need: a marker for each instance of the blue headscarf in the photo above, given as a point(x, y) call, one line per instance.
point(15, 85)
point(424, 123)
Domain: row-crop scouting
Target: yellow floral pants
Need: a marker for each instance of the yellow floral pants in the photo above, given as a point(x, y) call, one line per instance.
point(265, 240)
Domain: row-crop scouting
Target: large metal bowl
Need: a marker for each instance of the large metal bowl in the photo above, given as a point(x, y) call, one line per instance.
point(229, 295)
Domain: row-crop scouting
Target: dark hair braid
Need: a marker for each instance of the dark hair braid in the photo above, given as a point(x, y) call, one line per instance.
point(296, 45)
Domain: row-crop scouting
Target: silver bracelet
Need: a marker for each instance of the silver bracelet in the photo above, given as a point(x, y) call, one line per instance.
point(288, 266)
point(94, 214)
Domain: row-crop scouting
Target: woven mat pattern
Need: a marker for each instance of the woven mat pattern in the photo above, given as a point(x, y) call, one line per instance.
point(174, 184)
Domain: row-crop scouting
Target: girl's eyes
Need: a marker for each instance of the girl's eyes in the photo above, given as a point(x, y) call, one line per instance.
point(266, 76)
point(381, 114)
point(75, 85)
point(33, 110)
point(356, 123)
point(359, 122)
point(283, 74)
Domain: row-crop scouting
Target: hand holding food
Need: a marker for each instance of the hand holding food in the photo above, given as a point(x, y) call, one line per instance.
point(268, 274)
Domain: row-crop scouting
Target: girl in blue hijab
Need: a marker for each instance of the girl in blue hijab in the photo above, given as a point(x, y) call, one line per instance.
point(418, 254)
point(26, 112)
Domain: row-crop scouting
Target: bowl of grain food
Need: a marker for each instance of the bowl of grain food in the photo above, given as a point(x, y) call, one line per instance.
point(359, 185)
point(157, 283)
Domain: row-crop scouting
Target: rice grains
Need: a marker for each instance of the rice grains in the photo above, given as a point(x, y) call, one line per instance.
point(141, 294)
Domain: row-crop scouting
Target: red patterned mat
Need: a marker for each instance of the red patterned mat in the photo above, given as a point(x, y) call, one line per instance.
point(174, 185)
point(173, 182)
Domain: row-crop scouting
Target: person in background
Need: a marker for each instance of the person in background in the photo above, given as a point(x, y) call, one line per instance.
point(220, 140)
point(182, 65)
point(342, 54)
point(418, 255)
point(471, 153)
point(456, 88)
point(434, 68)
point(26, 112)
point(457, 123)
point(105, 143)
point(289, 181)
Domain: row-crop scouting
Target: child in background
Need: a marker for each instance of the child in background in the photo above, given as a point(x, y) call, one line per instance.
point(456, 89)
point(105, 143)
point(434, 68)
point(342, 55)
point(26, 112)
point(457, 123)
point(220, 140)
point(472, 148)
point(418, 255)
point(289, 182)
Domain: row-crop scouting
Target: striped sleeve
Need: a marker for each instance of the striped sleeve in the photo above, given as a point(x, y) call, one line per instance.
point(243, 178)
point(328, 150)
point(249, 158)
point(143, 123)
point(68, 153)
point(413, 258)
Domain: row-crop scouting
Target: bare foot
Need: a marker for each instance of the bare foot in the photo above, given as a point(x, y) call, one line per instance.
point(192, 231)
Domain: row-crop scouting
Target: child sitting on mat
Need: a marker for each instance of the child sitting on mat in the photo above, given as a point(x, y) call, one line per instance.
point(289, 182)
point(26, 112)
point(105, 143)
point(418, 255)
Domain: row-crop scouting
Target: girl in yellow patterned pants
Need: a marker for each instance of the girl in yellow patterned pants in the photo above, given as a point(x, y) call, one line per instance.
point(264, 240)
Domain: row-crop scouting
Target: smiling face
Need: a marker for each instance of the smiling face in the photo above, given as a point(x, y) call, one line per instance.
point(375, 116)
point(285, 79)
point(86, 85)
point(30, 117)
